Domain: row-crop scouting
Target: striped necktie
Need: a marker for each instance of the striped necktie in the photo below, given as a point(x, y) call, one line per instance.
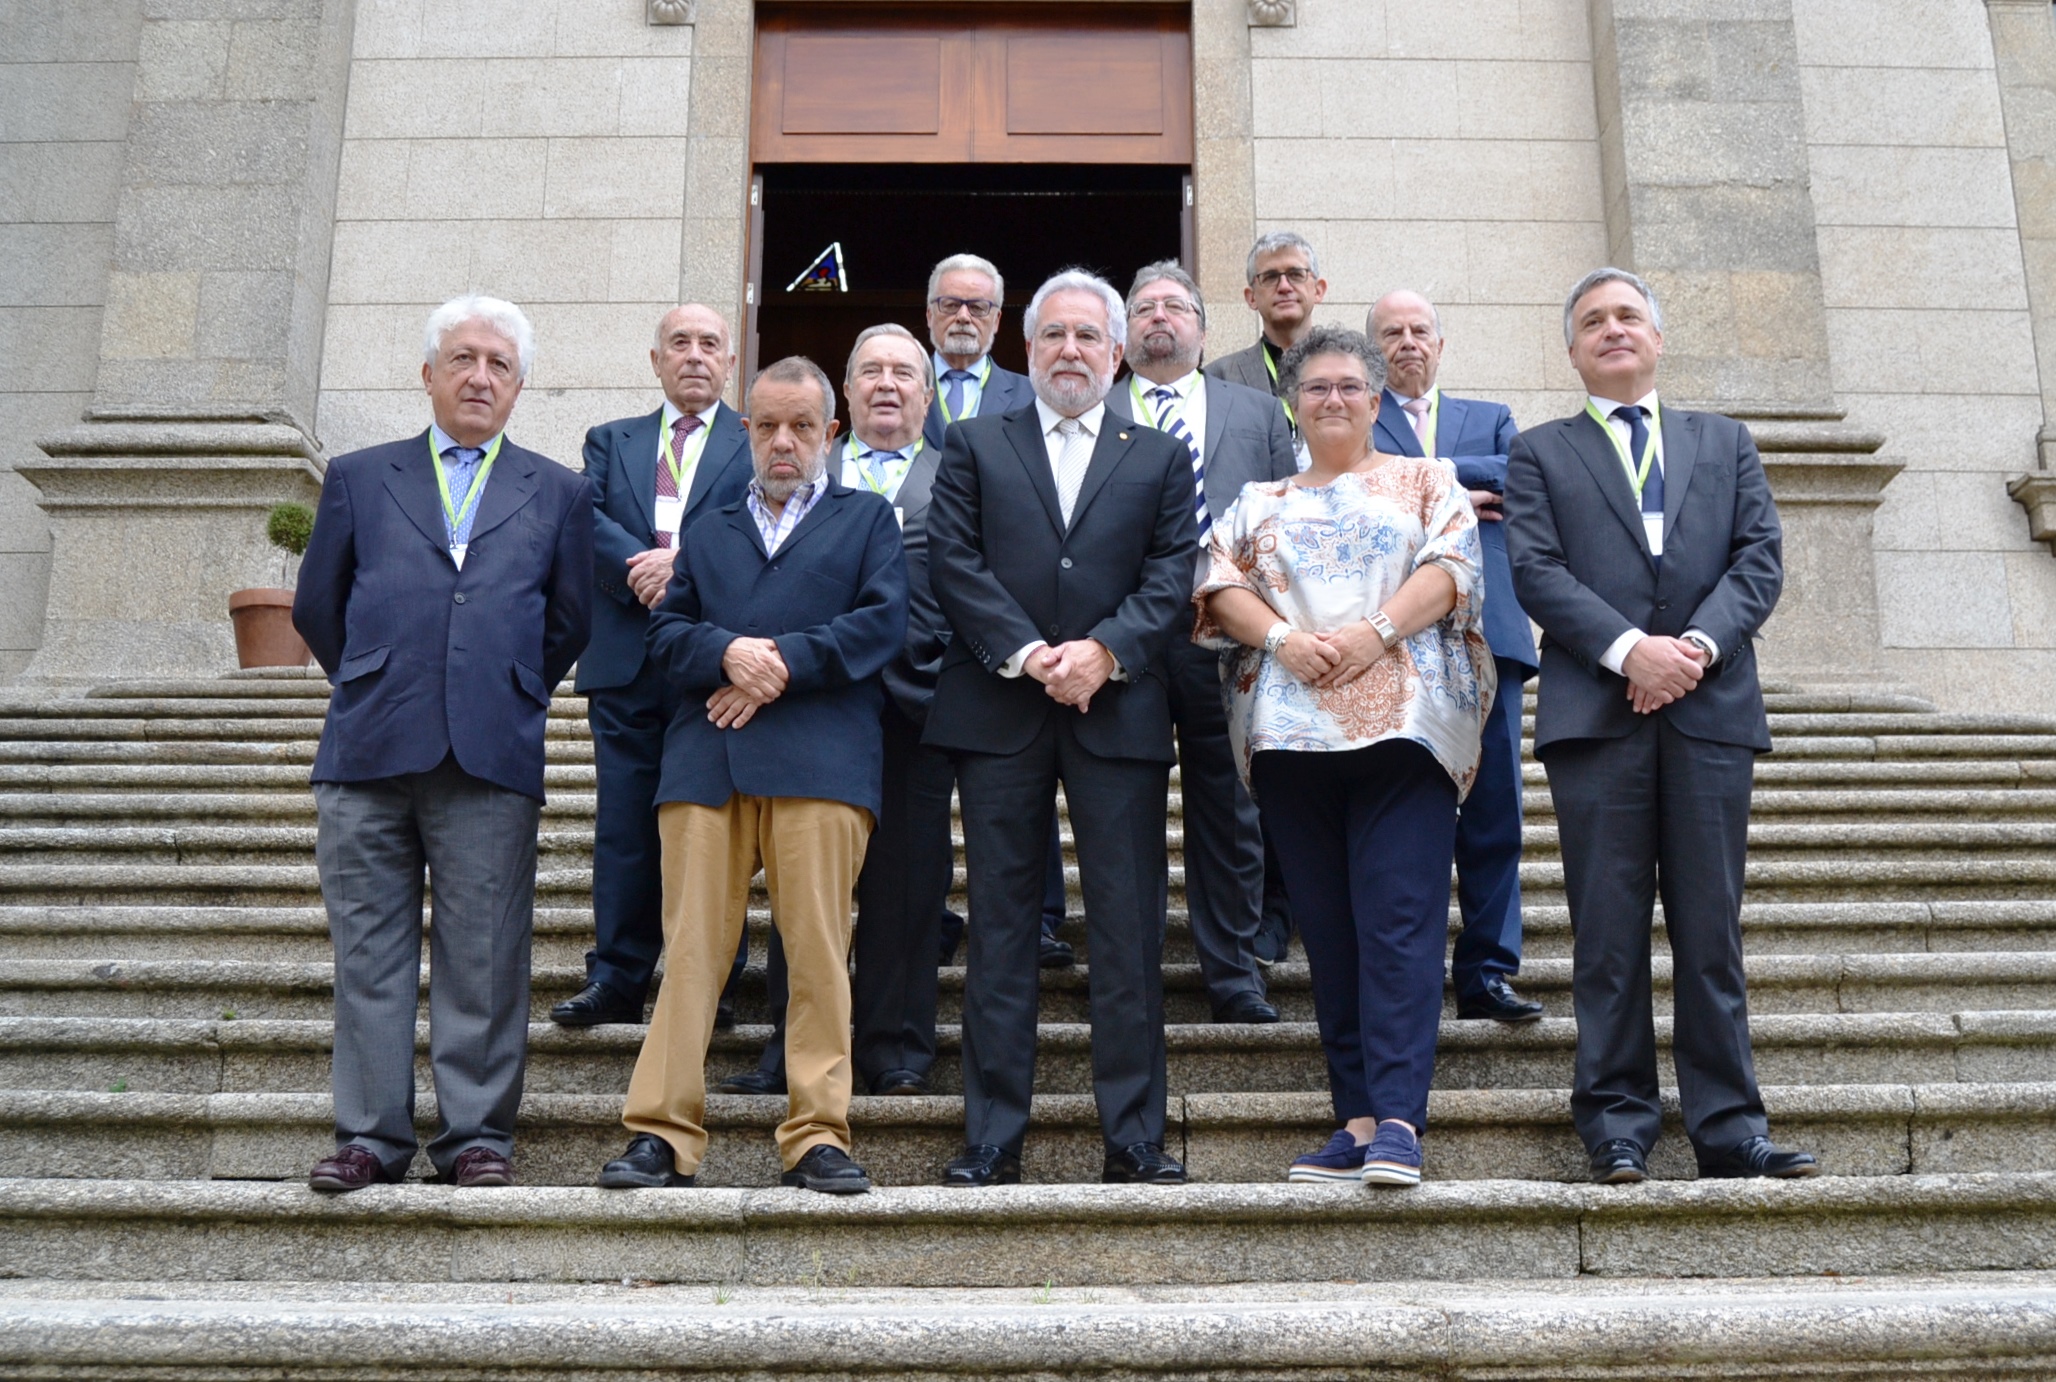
point(1167, 420)
point(667, 488)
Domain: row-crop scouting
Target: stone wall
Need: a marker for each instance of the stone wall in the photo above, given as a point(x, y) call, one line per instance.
point(67, 73)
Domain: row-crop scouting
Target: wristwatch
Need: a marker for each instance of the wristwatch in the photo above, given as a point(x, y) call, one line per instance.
point(1275, 637)
point(1377, 620)
point(1704, 644)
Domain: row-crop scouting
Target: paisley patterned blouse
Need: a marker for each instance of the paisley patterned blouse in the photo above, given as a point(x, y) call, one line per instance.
point(1324, 558)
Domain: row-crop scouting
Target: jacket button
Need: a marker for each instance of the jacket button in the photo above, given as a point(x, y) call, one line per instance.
point(1052, 630)
point(1663, 604)
point(1065, 563)
point(460, 598)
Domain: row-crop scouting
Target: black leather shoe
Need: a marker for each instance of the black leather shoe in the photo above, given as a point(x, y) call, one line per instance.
point(1247, 1007)
point(1273, 940)
point(828, 1170)
point(752, 1082)
point(1056, 954)
point(898, 1082)
point(1499, 1003)
point(975, 1166)
point(1619, 1162)
point(351, 1167)
point(648, 1163)
point(1145, 1163)
point(1756, 1156)
point(593, 1005)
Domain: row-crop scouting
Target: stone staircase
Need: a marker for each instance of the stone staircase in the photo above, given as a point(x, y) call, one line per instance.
point(165, 986)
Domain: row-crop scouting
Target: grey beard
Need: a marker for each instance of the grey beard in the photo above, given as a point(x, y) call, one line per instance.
point(960, 341)
point(1144, 355)
point(778, 491)
point(1066, 394)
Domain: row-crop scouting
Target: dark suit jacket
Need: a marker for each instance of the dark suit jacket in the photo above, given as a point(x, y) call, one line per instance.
point(1244, 367)
point(621, 461)
point(1582, 567)
point(1006, 572)
point(1475, 435)
point(1004, 392)
point(910, 677)
point(834, 599)
point(428, 660)
point(1247, 438)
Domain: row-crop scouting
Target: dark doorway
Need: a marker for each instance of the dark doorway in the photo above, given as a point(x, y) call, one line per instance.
point(894, 221)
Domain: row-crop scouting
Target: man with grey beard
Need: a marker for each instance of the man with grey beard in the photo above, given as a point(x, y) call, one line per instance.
point(965, 299)
point(1061, 548)
point(1235, 435)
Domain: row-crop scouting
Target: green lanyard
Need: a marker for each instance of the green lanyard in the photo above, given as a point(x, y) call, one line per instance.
point(1637, 478)
point(1145, 413)
point(849, 452)
point(942, 402)
point(1272, 366)
point(681, 468)
point(455, 514)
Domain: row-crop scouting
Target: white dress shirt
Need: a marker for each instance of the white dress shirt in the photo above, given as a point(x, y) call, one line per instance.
point(1652, 523)
point(671, 512)
point(897, 464)
point(1092, 419)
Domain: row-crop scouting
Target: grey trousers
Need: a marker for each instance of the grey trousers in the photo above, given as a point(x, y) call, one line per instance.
point(478, 845)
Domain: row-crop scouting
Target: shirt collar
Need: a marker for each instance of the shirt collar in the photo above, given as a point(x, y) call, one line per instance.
point(672, 412)
point(443, 441)
point(1182, 387)
point(1090, 418)
point(1402, 400)
point(1606, 406)
point(865, 448)
point(976, 368)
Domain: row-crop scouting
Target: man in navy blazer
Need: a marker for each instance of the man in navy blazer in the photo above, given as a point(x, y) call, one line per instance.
point(1646, 542)
point(1415, 418)
point(965, 298)
point(784, 611)
point(445, 591)
point(652, 476)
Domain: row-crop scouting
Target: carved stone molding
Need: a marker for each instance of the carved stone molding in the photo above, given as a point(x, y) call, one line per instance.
point(669, 11)
point(1273, 14)
point(2036, 492)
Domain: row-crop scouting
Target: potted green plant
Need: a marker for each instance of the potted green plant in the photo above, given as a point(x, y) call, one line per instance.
point(263, 615)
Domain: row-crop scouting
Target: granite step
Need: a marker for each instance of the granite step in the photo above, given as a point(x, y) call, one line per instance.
point(1076, 1235)
point(283, 1055)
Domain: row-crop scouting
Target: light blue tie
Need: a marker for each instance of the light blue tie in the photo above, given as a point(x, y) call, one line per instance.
point(1167, 421)
point(874, 467)
point(953, 395)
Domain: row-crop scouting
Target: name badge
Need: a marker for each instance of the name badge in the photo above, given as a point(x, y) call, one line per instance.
point(900, 515)
point(669, 513)
point(457, 551)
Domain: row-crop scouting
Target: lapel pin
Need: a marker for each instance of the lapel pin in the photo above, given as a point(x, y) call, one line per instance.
point(1124, 436)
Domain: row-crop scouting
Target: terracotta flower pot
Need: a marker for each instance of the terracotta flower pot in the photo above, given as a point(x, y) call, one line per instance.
point(265, 636)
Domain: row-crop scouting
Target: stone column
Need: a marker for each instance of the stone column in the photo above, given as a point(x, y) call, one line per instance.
point(2024, 53)
point(717, 167)
point(1704, 168)
point(203, 409)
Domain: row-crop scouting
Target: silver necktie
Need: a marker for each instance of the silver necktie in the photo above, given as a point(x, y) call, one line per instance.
point(1072, 460)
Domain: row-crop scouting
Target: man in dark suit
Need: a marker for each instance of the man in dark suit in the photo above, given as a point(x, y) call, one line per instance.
point(1645, 543)
point(783, 612)
point(652, 476)
point(446, 591)
point(965, 297)
point(1416, 418)
point(1285, 285)
point(1061, 545)
point(1233, 435)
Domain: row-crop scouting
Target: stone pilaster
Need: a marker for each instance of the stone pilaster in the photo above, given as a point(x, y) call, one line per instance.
point(210, 351)
point(2024, 53)
point(1223, 161)
point(717, 167)
point(1705, 174)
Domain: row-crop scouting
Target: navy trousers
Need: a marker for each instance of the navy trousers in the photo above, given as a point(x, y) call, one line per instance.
point(1366, 838)
point(1488, 849)
point(628, 725)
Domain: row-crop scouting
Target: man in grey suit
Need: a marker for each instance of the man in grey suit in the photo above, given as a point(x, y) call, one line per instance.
point(1235, 435)
point(1285, 285)
point(1645, 543)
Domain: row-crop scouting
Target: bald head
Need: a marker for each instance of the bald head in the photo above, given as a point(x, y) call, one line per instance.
point(1408, 333)
point(692, 357)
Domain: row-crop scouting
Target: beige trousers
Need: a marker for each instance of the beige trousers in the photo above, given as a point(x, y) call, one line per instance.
point(811, 851)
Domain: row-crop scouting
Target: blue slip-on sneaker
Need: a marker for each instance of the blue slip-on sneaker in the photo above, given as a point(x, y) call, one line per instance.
point(1393, 1158)
point(1342, 1159)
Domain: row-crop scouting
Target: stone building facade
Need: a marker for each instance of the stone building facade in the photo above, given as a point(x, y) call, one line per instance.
point(222, 221)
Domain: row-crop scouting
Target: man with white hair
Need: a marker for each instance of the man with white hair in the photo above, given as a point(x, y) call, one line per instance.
point(446, 591)
point(1061, 547)
point(965, 298)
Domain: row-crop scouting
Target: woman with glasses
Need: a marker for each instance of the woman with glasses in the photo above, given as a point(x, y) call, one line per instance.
point(1351, 599)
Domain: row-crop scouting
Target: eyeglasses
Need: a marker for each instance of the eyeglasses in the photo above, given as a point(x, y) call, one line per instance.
point(979, 308)
point(1170, 307)
point(1271, 278)
point(1317, 390)
point(1054, 334)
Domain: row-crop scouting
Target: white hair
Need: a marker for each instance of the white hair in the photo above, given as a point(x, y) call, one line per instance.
point(1277, 240)
point(1608, 275)
point(1079, 281)
point(502, 316)
point(967, 263)
point(870, 333)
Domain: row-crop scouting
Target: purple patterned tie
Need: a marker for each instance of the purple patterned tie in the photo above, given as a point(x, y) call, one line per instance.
point(667, 488)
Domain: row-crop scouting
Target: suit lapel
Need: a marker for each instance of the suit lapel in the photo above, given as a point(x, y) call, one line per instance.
point(825, 510)
point(1112, 444)
point(1024, 430)
point(1216, 418)
point(640, 440)
point(413, 487)
point(1680, 454)
point(745, 522)
point(724, 440)
point(1449, 421)
point(512, 484)
point(1595, 449)
point(1392, 429)
point(914, 491)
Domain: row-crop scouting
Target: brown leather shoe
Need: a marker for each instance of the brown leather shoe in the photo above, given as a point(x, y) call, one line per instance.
point(480, 1166)
point(351, 1168)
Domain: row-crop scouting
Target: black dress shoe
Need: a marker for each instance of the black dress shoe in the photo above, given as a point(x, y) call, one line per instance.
point(647, 1164)
point(752, 1082)
point(1499, 1003)
point(976, 1166)
point(1619, 1162)
point(348, 1168)
point(1273, 940)
point(1145, 1163)
point(828, 1170)
point(1756, 1156)
point(1247, 1007)
point(593, 1005)
point(1056, 954)
point(897, 1082)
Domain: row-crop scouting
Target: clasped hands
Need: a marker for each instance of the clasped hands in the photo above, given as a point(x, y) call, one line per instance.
point(649, 572)
point(1071, 672)
point(1332, 660)
point(1661, 670)
point(757, 676)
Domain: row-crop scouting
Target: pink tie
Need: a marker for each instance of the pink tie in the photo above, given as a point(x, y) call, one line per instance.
point(1417, 412)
